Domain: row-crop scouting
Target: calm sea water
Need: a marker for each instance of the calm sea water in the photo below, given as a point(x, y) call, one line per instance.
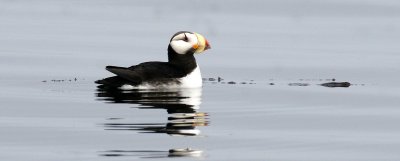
point(276, 53)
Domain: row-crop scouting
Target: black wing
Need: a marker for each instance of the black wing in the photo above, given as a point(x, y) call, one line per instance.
point(147, 71)
point(125, 74)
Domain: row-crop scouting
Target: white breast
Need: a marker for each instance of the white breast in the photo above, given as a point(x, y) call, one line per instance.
point(192, 80)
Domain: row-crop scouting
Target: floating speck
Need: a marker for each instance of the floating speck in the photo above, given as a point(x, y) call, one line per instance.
point(114, 118)
point(336, 84)
point(298, 84)
point(220, 79)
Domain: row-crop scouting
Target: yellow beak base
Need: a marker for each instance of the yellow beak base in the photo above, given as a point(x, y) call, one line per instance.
point(202, 44)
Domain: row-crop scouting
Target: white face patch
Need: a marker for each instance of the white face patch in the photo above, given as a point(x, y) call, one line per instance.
point(183, 42)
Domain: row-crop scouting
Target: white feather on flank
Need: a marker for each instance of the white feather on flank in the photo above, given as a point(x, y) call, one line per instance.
point(192, 80)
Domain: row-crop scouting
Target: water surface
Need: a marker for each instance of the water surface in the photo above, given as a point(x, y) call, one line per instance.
point(271, 56)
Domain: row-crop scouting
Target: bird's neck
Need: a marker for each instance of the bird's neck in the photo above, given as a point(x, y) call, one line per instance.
point(186, 62)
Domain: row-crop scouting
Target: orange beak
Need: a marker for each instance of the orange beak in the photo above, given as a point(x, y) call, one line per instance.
point(207, 45)
point(202, 44)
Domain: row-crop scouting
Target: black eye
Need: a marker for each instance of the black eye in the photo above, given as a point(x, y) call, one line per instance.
point(186, 38)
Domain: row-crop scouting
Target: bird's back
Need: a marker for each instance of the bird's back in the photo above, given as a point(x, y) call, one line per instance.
point(146, 75)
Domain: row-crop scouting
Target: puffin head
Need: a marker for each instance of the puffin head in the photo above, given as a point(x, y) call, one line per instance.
point(185, 42)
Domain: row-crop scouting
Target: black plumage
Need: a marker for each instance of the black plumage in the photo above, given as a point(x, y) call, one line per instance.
point(155, 73)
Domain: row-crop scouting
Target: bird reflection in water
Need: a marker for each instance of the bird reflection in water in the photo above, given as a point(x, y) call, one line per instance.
point(184, 117)
point(187, 152)
point(182, 106)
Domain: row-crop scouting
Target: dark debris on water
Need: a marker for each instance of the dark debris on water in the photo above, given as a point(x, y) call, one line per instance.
point(303, 82)
point(298, 84)
point(61, 80)
point(336, 84)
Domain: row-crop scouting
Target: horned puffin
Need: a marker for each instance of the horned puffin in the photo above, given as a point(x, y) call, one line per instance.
point(181, 70)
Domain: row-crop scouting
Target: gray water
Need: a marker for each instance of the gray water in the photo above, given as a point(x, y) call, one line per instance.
point(51, 51)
